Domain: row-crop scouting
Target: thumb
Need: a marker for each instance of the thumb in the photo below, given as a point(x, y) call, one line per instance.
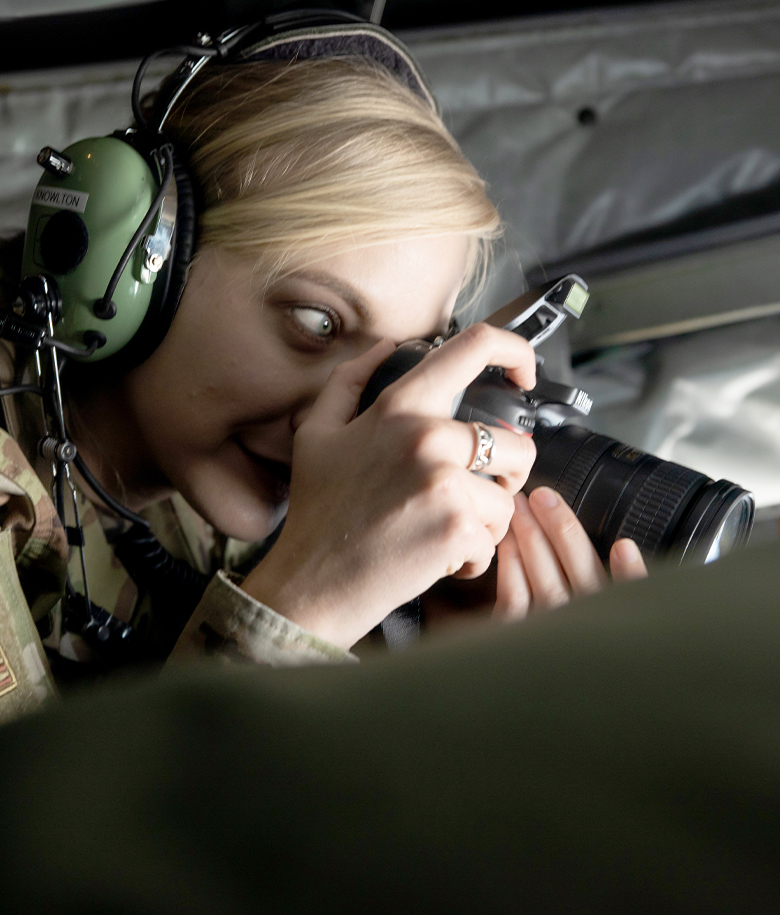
point(625, 561)
point(340, 397)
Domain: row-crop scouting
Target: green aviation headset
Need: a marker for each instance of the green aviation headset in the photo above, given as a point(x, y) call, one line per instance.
point(112, 226)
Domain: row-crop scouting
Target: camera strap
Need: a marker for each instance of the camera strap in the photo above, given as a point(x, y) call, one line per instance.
point(401, 628)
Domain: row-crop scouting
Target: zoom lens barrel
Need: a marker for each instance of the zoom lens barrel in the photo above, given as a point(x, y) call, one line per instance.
point(618, 491)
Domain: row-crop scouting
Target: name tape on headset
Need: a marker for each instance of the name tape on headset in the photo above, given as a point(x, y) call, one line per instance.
point(61, 199)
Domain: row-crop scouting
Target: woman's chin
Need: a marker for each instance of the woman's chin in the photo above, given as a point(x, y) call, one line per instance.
point(248, 520)
point(243, 502)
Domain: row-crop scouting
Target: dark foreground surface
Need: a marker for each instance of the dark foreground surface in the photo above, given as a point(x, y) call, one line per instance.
point(622, 755)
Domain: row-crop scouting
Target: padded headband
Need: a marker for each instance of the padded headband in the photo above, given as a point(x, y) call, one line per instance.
point(362, 40)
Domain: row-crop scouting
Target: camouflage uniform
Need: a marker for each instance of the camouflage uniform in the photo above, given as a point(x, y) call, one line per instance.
point(34, 562)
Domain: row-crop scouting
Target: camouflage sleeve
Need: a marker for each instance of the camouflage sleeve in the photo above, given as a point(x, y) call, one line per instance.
point(33, 562)
point(231, 625)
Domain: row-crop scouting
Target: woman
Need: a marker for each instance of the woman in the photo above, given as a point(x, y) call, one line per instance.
point(337, 218)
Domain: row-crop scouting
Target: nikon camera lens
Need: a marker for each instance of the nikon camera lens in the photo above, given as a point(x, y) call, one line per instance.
point(618, 491)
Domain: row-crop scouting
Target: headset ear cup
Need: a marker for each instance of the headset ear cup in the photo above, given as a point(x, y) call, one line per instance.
point(169, 284)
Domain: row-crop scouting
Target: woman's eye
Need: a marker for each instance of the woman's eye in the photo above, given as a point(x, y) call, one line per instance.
point(320, 323)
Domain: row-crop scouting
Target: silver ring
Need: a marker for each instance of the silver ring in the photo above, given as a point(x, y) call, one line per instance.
point(486, 444)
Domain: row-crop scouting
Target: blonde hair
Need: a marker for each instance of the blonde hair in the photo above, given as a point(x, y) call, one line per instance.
point(296, 160)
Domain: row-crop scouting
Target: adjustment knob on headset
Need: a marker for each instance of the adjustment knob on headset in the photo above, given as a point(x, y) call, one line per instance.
point(55, 162)
point(39, 298)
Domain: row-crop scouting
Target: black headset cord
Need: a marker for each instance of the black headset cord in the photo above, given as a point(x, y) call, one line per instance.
point(175, 587)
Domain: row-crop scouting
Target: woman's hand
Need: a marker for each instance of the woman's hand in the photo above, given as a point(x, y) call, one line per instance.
point(546, 558)
point(382, 505)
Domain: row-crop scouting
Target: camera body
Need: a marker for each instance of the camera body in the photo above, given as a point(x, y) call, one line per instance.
point(492, 398)
point(614, 489)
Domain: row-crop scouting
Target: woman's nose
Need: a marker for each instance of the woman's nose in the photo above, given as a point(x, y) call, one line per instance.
point(315, 381)
point(307, 393)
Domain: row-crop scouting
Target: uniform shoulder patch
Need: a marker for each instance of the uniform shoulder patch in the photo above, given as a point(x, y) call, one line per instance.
point(8, 679)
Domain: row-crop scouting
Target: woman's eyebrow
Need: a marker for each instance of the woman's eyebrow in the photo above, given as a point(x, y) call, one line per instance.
point(341, 288)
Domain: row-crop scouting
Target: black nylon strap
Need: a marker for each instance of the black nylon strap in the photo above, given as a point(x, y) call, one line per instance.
point(401, 628)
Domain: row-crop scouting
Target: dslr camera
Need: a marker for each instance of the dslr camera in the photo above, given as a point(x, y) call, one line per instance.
point(615, 490)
